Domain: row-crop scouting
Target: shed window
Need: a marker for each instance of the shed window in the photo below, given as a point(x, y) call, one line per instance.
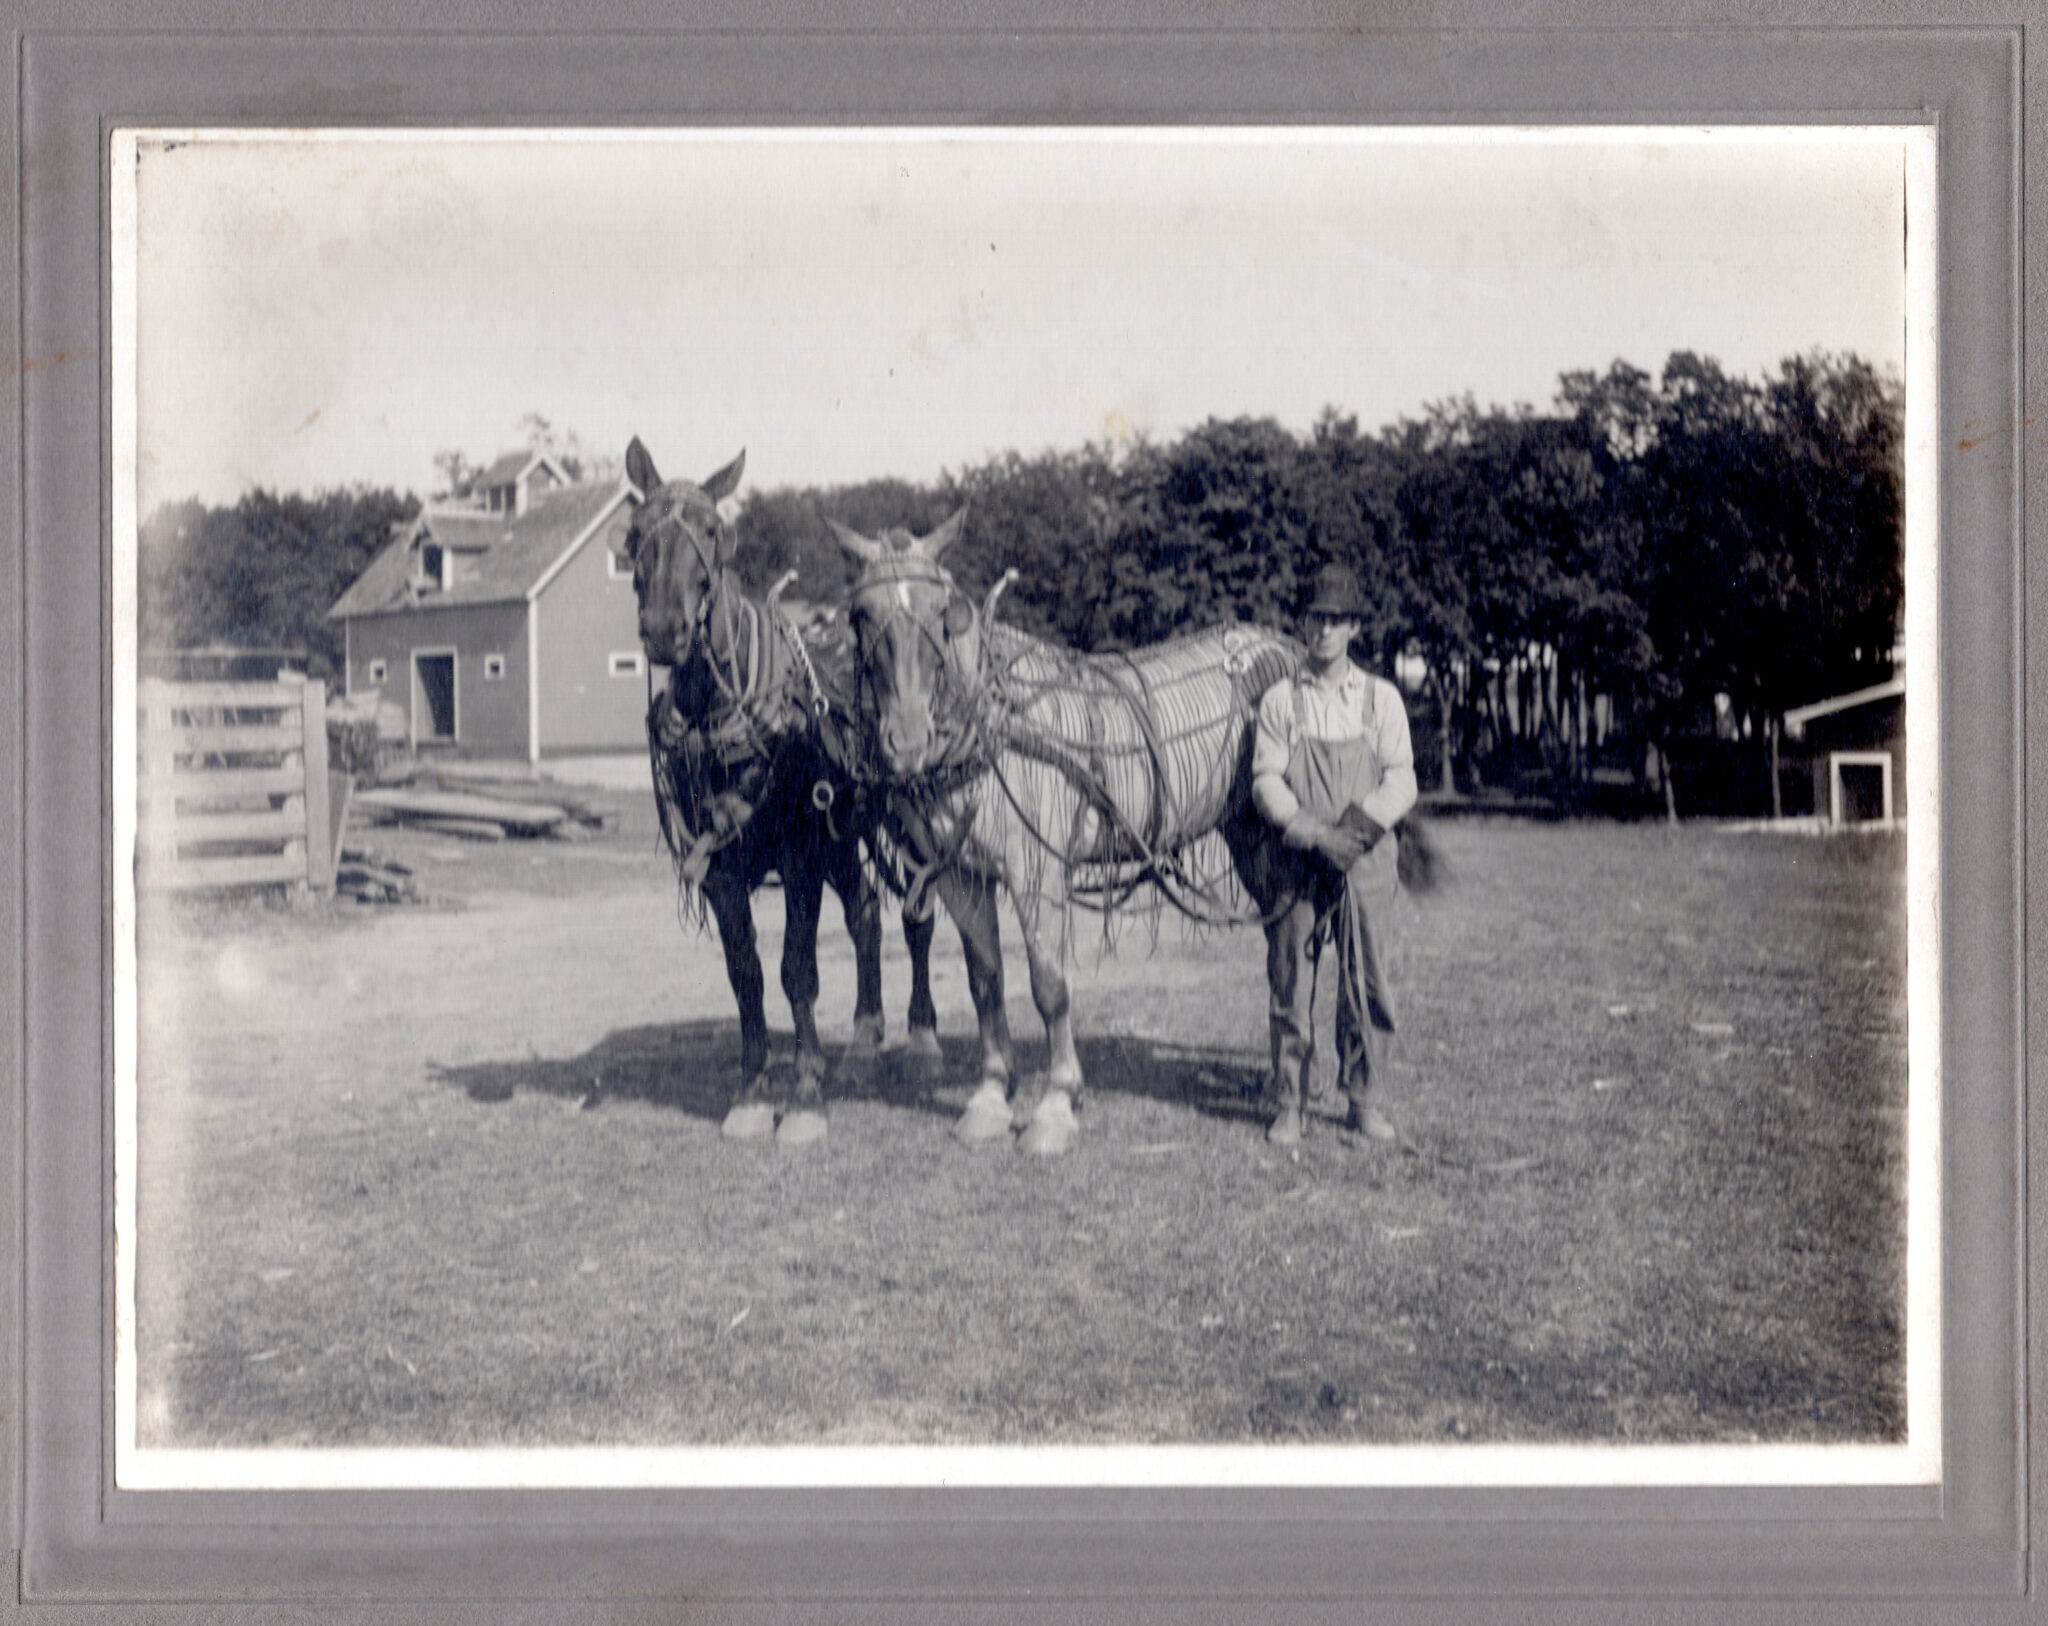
point(376, 671)
point(628, 663)
point(494, 668)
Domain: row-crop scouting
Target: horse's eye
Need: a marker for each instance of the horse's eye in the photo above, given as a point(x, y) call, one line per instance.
point(959, 617)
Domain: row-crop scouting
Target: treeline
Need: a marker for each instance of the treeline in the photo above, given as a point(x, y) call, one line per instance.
point(1650, 561)
point(263, 573)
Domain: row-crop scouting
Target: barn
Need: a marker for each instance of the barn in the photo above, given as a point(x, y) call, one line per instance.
point(502, 625)
point(1855, 748)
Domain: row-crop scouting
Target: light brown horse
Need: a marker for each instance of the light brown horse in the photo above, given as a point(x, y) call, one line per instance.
point(1010, 762)
point(749, 781)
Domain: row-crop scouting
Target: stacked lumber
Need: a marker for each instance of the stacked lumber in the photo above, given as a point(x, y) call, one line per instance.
point(460, 813)
point(369, 877)
point(503, 784)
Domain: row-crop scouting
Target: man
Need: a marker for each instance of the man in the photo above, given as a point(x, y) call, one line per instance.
point(1332, 770)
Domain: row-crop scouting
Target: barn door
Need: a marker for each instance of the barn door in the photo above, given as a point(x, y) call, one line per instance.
point(433, 695)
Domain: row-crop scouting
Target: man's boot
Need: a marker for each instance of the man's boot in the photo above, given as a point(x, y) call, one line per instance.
point(1366, 1119)
point(1286, 1125)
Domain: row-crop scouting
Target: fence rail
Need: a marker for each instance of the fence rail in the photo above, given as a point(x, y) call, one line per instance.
point(232, 786)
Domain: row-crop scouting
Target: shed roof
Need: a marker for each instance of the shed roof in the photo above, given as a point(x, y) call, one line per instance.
point(1797, 718)
point(507, 557)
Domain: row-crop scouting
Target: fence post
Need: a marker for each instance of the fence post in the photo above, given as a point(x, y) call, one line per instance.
point(319, 838)
point(157, 821)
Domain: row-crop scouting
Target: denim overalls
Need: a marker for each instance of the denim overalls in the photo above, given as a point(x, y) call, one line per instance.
point(1330, 776)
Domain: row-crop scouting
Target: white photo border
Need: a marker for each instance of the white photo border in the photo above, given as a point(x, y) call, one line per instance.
point(1915, 1462)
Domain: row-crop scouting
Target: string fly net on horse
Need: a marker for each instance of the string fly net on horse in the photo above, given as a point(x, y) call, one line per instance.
point(1067, 778)
point(1121, 772)
point(1107, 774)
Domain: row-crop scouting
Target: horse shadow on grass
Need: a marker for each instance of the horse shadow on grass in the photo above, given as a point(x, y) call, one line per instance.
point(694, 1068)
point(1214, 1081)
point(690, 1067)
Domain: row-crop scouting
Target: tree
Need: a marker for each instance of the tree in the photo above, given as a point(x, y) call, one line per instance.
point(1214, 527)
point(1046, 517)
point(263, 573)
point(458, 474)
point(1349, 483)
point(1772, 550)
point(785, 529)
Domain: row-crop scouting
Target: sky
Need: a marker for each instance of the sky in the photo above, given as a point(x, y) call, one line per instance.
point(323, 309)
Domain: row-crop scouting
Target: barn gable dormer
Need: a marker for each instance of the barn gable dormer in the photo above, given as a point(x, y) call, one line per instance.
point(514, 481)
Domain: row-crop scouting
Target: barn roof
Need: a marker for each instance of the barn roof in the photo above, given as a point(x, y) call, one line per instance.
point(501, 557)
point(514, 465)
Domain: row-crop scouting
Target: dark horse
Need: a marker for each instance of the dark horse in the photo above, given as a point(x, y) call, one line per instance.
point(741, 740)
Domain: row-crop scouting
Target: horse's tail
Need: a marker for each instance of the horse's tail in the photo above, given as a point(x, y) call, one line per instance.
point(1421, 862)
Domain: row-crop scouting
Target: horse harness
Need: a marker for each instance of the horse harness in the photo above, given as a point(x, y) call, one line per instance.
point(964, 761)
point(743, 728)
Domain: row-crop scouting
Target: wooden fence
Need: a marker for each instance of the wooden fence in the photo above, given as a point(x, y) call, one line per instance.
point(232, 785)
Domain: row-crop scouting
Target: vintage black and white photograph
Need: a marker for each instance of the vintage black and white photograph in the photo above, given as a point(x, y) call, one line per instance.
point(1065, 806)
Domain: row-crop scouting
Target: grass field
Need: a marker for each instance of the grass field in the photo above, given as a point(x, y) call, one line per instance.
point(453, 1175)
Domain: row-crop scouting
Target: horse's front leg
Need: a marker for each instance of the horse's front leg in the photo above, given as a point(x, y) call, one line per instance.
point(803, 891)
point(971, 901)
point(752, 1114)
point(863, 911)
point(1052, 1127)
point(921, 1049)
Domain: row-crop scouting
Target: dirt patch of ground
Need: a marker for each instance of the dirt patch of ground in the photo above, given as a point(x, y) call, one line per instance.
point(451, 1173)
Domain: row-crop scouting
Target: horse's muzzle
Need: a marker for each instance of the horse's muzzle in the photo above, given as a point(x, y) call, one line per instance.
point(662, 646)
point(905, 749)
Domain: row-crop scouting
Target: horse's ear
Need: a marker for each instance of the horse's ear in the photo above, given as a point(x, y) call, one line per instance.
point(862, 548)
point(947, 534)
point(726, 481)
point(640, 468)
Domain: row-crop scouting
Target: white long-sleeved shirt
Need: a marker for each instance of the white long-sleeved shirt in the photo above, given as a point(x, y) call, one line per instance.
point(1358, 705)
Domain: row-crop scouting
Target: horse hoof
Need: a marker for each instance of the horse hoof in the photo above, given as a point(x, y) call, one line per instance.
point(987, 1115)
point(921, 1056)
point(1052, 1128)
point(750, 1120)
point(801, 1127)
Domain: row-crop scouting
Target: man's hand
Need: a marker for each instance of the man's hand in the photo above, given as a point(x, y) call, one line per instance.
point(1363, 825)
point(1338, 845)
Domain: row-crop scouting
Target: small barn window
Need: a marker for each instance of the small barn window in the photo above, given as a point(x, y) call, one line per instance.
point(617, 566)
point(628, 663)
point(494, 668)
point(435, 565)
point(376, 671)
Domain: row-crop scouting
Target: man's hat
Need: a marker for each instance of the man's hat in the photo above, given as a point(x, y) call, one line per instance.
point(1336, 593)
